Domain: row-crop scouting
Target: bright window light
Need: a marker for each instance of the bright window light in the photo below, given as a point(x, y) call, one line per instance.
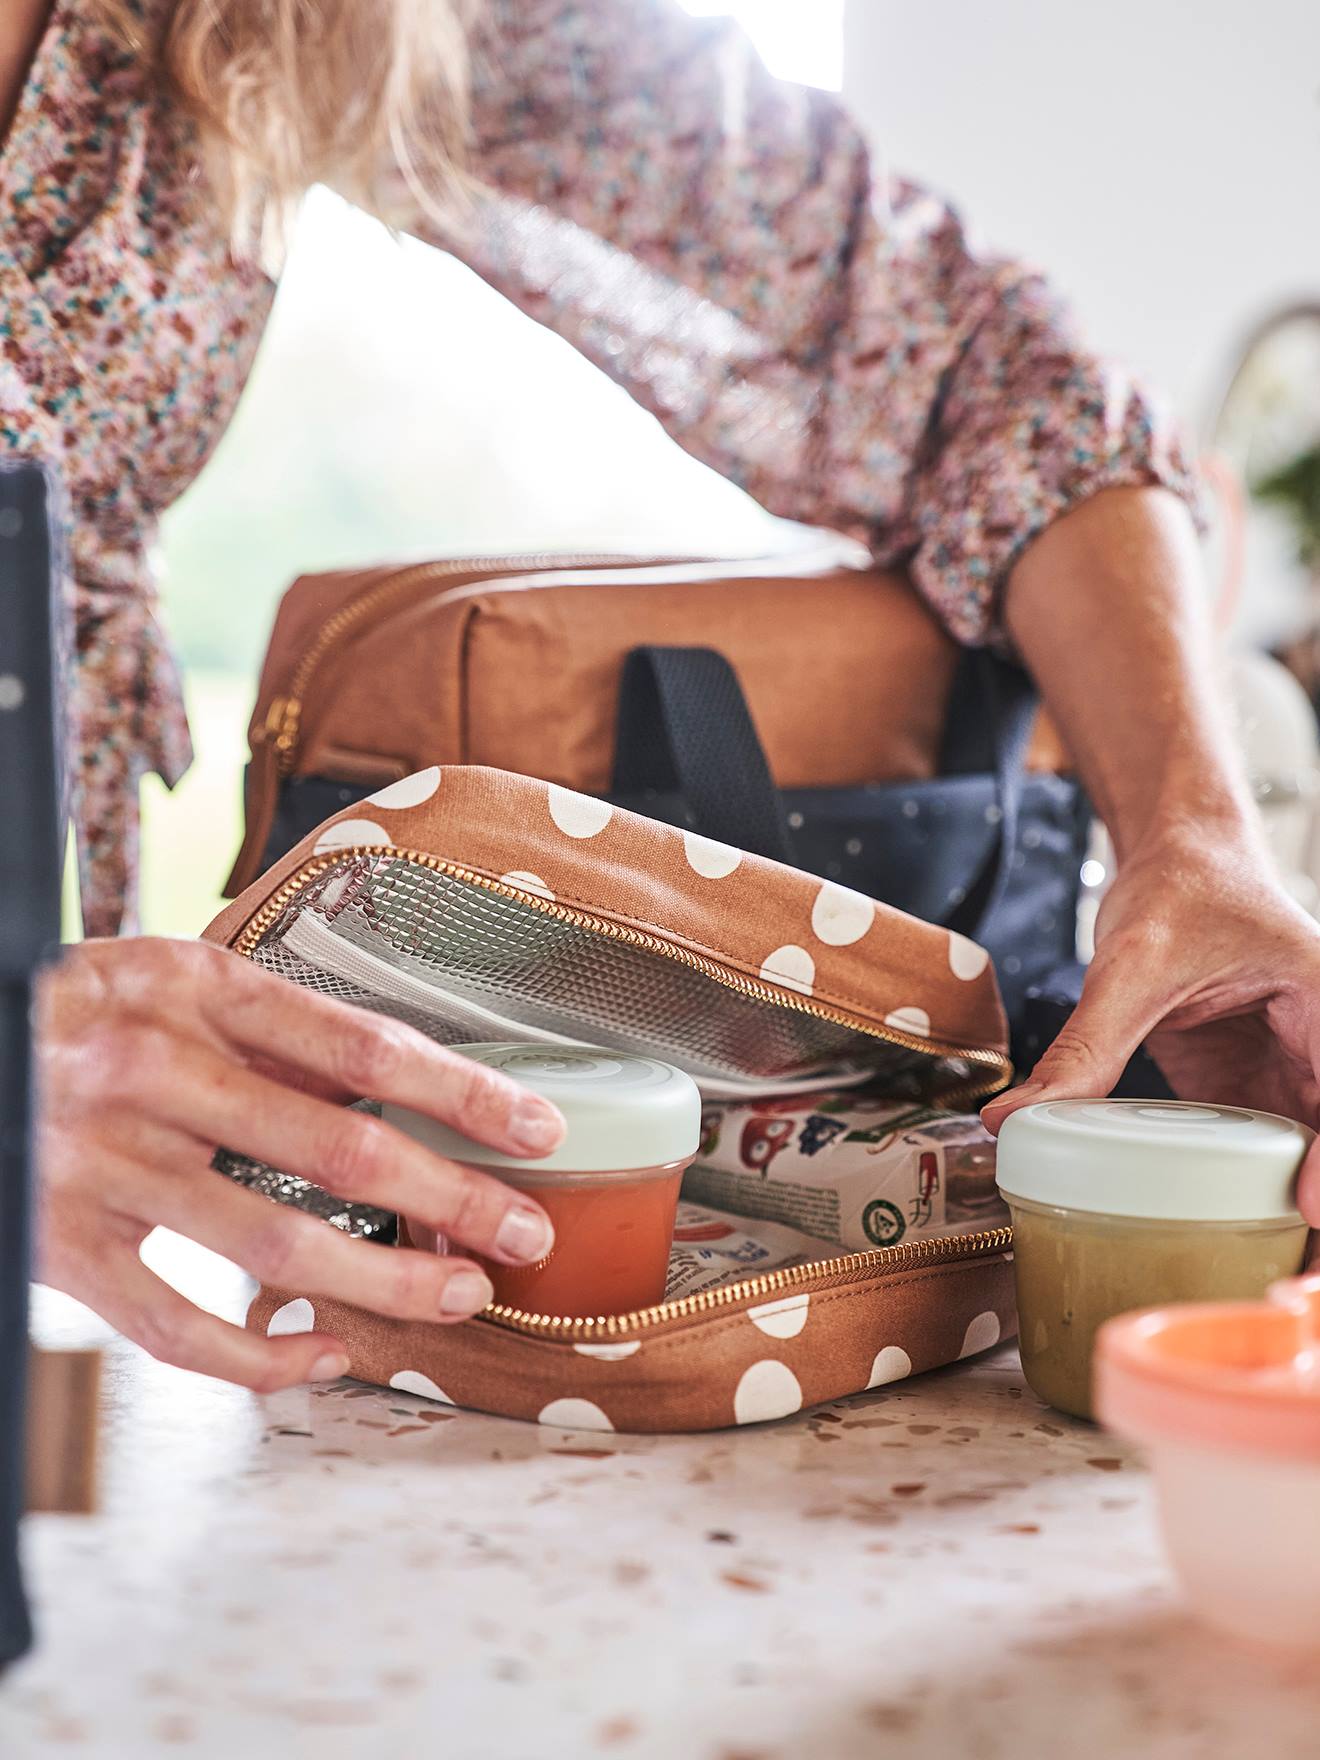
point(800, 40)
point(400, 409)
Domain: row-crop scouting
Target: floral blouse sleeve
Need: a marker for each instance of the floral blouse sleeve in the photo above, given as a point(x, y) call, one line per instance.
point(723, 244)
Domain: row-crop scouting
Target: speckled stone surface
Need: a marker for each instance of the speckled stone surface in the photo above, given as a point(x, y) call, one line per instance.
point(939, 1568)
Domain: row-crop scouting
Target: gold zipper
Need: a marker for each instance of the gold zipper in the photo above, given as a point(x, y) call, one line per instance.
point(769, 1283)
point(283, 895)
point(283, 724)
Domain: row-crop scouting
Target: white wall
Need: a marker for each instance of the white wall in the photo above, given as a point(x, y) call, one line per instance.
point(1160, 157)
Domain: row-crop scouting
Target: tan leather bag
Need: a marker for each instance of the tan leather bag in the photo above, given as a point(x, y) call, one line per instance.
point(464, 895)
point(515, 662)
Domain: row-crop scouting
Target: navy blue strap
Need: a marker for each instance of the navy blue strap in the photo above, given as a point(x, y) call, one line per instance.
point(684, 728)
point(992, 708)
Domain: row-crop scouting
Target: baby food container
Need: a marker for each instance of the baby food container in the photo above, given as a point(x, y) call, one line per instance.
point(1121, 1204)
point(1224, 1399)
point(610, 1188)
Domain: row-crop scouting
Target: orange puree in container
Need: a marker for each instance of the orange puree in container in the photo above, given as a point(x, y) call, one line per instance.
point(611, 1251)
point(610, 1188)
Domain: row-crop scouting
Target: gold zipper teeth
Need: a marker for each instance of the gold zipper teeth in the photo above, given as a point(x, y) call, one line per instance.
point(283, 727)
point(931, 1251)
point(942, 1249)
point(284, 716)
point(282, 897)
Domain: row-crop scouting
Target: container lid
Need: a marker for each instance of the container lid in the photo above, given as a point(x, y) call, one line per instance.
point(1241, 1376)
point(1153, 1158)
point(622, 1111)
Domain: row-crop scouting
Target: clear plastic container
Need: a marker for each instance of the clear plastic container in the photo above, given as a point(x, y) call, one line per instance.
point(613, 1232)
point(1120, 1204)
point(1225, 1401)
point(610, 1188)
point(970, 1193)
point(1075, 1270)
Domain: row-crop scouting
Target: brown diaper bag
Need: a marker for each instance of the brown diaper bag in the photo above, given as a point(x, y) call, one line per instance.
point(475, 902)
point(799, 707)
point(761, 819)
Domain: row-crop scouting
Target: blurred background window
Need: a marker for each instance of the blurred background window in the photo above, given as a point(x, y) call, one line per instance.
point(399, 408)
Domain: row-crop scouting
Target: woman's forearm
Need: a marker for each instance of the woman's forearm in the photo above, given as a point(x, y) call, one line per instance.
point(1108, 609)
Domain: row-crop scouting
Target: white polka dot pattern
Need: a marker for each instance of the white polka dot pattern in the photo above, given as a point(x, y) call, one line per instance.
point(409, 791)
point(527, 883)
point(777, 1350)
point(791, 966)
point(578, 815)
point(413, 1381)
point(769, 1389)
point(980, 1335)
point(713, 861)
point(573, 1414)
point(782, 1319)
point(840, 916)
point(891, 1364)
point(348, 832)
point(967, 960)
point(295, 1316)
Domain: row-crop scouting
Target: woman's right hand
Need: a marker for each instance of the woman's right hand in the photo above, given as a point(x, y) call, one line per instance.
point(151, 1054)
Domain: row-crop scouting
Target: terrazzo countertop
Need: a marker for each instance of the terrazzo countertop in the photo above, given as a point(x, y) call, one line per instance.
point(942, 1567)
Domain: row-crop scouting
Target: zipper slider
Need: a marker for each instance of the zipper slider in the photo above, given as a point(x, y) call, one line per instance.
point(273, 745)
point(281, 729)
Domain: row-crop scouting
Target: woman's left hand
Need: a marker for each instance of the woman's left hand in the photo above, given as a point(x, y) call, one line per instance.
point(1200, 953)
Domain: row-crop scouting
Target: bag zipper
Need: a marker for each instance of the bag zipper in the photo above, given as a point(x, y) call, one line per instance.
point(282, 727)
point(275, 742)
point(996, 1069)
point(940, 1250)
point(907, 1254)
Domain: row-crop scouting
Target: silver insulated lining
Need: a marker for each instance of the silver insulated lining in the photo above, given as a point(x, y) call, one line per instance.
point(465, 964)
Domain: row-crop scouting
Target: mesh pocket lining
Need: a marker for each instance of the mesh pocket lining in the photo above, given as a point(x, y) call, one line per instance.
point(454, 943)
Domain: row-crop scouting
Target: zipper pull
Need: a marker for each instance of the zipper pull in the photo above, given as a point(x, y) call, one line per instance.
point(281, 728)
point(274, 745)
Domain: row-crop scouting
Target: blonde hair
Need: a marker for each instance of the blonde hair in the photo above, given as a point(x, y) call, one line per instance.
point(289, 93)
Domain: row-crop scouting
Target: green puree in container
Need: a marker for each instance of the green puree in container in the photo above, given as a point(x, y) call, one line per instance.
point(1121, 1204)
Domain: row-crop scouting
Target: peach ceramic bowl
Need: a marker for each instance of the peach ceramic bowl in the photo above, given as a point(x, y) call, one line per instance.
point(1224, 1398)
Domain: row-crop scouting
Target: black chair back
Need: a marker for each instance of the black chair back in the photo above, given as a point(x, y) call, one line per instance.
point(33, 656)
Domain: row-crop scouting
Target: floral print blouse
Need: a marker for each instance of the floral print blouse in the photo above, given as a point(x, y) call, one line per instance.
point(720, 242)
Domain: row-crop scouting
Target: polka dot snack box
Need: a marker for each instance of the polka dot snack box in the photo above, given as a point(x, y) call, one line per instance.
point(477, 903)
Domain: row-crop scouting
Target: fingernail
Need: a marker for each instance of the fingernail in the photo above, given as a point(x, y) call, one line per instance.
point(535, 1126)
point(329, 1367)
point(467, 1292)
point(525, 1236)
point(1014, 1095)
